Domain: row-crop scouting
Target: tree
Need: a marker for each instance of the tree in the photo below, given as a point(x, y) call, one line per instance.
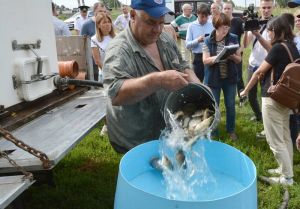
point(282, 3)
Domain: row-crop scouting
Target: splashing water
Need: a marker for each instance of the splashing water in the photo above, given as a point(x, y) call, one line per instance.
point(185, 179)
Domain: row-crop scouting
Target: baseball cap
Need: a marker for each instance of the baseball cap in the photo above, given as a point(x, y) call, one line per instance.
point(154, 8)
point(84, 8)
point(293, 3)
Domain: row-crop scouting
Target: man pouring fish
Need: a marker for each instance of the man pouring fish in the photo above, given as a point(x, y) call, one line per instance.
point(141, 67)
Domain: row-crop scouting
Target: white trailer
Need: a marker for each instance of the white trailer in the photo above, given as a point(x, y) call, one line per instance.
point(32, 108)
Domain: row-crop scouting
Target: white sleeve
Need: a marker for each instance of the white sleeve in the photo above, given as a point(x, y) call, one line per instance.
point(66, 31)
point(174, 24)
point(117, 21)
point(76, 24)
point(93, 40)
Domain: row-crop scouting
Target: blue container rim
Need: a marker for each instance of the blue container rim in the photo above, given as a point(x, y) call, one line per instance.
point(253, 181)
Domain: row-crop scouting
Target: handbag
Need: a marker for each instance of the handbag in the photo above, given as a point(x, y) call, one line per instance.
point(287, 89)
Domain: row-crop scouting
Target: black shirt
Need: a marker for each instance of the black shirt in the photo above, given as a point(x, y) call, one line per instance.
point(278, 57)
point(237, 27)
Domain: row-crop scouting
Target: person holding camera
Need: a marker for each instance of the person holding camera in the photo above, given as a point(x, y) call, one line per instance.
point(295, 119)
point(260, 47)
point(196, 33)
point(222, 75)
point(275, 115)
point(237, 29)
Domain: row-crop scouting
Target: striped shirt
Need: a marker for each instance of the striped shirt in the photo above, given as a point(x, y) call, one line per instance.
point(182, 22)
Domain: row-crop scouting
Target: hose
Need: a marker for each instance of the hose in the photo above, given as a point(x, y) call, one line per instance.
point(60, 82)
point(84, 82)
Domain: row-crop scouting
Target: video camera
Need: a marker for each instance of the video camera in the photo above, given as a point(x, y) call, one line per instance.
point(252, 21)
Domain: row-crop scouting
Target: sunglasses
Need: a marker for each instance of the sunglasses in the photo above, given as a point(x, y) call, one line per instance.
point(266, 7)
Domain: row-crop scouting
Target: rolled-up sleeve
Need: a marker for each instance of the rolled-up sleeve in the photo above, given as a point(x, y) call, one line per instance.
point(115, 71)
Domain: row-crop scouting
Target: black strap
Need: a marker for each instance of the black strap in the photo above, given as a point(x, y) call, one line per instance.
point(291, 60)
point(99, 47)
point(260, 31)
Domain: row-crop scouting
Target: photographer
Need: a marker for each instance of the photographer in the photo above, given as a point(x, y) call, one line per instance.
point(275, 115)
point(237, 29)
point(260, 46)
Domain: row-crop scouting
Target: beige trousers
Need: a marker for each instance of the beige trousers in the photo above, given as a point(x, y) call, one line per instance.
point(276, 124)
point(186, 53)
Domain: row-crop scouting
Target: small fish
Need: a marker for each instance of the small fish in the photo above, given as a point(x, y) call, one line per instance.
point(191, 141)
point(193, 123)
point(180, 158)
point(178, 115)
point(161, 164)
point(166, 163)
point(207, 113)
point(198, 113)
point(186, 121)
point(155, 163)
point(201, 128)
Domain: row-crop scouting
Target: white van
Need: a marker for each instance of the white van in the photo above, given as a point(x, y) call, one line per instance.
point(176, 5)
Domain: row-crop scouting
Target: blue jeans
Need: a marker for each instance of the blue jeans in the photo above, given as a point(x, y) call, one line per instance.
point(198, 66)
point(229, 91)
point(240, 83)
point(252, 96)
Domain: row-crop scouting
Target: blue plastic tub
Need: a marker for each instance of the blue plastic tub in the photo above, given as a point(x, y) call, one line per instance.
point(140, 186)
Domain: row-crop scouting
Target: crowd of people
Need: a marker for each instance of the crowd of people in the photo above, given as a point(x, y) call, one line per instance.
point(142, 65)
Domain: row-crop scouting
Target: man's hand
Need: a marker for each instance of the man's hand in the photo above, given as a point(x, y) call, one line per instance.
point(256, 33)
point(201, 38)
point(173, 80)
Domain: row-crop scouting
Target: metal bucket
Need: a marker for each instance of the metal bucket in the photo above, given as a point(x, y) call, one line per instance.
point(140, 186)
point(194, 93)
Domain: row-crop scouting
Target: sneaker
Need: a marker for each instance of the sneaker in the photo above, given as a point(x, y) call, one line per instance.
point(256, 119)
point(261, 135)
point(103, 130)
point(274, 171)
point(233, 136)
point(282, 180)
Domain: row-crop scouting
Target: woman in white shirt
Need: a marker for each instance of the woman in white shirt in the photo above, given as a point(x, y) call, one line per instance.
point(99, 42)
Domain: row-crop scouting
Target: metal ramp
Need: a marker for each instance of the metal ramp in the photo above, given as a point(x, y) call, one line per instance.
point(11, 187)
point(56, 132)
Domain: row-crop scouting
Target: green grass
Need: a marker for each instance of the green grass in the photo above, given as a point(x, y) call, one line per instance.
point(86, 177)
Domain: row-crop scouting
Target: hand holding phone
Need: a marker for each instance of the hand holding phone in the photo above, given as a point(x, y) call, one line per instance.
point(201, 38)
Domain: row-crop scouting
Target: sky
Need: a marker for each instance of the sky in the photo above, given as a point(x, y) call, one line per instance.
point(73, 3)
